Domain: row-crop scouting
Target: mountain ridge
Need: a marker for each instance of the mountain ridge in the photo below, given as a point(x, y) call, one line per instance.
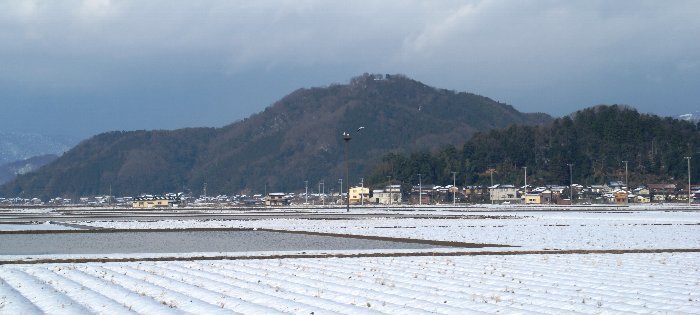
point(296, 139)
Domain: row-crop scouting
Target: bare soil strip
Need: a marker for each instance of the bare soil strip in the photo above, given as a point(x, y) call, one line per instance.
point(394, 239)
point(356, 255)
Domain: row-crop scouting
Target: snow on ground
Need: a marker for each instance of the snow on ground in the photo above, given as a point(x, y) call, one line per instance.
point(594, 283)
point(14, 210)
point(35, 227)
point(529, 230)
point(551, 283)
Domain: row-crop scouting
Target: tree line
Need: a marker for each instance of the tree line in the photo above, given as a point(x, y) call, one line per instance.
point(596, 142)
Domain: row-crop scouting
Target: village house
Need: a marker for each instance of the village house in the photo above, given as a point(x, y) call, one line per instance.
point(641, 191)
point(621, 197)
point(615, 185)
point(447, 193)
point(598, 189)
point(555, 194)
point(154, 201)
point(503, 193)
point(549, 197)
point(438, 193)
point(642, 199)
point(540, 195)
point(425, 192)
point(594, 193)
point(359, 195)
point(532, 198)
point(421, 192)
point(277, 199)
point(662, 192)
point(388, 196)
point(474, 193)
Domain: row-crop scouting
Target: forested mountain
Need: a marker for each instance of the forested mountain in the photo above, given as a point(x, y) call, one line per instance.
point(131, 161)
point(595, 140)
point(296, 139)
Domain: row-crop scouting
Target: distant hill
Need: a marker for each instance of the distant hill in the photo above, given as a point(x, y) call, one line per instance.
point(16, 146)
point(296, 139)
point(595, 140)
point(133, 161)
point(10, 170)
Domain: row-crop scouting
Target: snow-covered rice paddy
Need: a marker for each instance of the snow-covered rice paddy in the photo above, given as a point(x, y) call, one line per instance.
point(667, 282)
point(636, 283)
point(528, 230)
point(36, 227)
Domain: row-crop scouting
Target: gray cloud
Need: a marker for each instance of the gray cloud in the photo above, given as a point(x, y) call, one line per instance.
point(209, 63)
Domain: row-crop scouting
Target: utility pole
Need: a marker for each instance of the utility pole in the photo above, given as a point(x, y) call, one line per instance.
point(391, 194)
point(323, 192)
point(454, 188)
point(362, 192)
point(571, 183)
point(306, 195)
point(346, 137)
point(626, 183)
point(689, 198)
point(525, 168)
point(420, 189)
point(491, 171)
point(340, 192)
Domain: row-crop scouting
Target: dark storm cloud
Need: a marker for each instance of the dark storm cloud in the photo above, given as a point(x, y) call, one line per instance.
point(81, 67)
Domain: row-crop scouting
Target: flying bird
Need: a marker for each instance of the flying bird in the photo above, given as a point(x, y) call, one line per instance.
point(358, 129)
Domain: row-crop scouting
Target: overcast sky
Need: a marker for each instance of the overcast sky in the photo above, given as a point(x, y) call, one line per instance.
point(82, 67)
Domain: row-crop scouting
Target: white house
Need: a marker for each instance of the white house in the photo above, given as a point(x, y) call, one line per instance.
point(390, 195)
point(502, 193)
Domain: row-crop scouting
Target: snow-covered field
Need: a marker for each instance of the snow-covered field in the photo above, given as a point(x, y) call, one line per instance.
point(528, 230)
point(666, 282)
point(34, 227)
point(635, 283)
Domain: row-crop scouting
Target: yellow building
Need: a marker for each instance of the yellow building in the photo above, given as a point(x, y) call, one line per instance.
point(621, 197)
point(359, 195)
point(642, 199)
point(153, 202)
point(532, 199)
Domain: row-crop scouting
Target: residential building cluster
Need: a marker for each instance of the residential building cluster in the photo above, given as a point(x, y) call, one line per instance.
point(613, 192)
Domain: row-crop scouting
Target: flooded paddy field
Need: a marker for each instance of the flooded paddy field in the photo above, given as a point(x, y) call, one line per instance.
point(184, 241)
